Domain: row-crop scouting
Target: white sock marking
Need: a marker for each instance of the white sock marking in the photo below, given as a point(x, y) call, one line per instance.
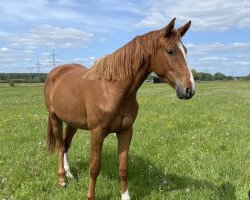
point(125, 196)
point(66, 165)
point(63, 184)
point(180, 45)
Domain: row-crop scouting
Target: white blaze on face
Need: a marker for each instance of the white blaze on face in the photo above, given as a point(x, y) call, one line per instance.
point(180, 45)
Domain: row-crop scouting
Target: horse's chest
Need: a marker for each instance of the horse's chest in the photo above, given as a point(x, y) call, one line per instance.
point(113, 117)
point(121, 122)
point(124, 119)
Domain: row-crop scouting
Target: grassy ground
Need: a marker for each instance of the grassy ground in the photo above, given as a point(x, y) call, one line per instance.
point(196, 149)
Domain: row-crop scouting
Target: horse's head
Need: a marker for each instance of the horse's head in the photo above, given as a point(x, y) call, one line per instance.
point(170, 60)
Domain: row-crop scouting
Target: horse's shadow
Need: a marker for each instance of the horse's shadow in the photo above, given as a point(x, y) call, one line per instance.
point(145, 178)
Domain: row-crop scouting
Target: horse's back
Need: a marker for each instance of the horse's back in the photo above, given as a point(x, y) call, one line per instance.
point(57, 74)
point(62, 70)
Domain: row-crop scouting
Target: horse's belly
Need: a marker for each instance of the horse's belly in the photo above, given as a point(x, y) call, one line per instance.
point(74, 118)
point(78, 122)
point(70, 110)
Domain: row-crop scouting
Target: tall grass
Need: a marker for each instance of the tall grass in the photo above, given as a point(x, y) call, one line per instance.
point(196, 149)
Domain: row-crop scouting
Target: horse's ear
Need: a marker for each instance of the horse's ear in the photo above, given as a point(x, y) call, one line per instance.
point(169, 27)
point(182, 30)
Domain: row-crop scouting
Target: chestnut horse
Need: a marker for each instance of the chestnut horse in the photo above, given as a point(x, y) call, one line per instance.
point(102, 99)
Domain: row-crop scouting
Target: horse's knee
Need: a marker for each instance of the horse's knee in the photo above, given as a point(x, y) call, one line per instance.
point(61, 173)
point(61, 145)
point(94, 171)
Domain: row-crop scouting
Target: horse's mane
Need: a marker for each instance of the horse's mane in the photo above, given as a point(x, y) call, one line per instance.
point(121, 64)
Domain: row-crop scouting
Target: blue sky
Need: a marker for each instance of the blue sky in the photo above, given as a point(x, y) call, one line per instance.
point(82, 31)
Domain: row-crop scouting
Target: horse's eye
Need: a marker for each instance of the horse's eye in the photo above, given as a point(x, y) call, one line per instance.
point(170, 52)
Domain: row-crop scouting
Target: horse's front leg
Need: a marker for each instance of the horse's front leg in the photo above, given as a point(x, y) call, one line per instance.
point(124, 138)
point(96, 143)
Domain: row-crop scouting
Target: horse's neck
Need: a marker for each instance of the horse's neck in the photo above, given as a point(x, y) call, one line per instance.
point(141, 67)
point(126, 88)
point(141, 73)
point(139, 77)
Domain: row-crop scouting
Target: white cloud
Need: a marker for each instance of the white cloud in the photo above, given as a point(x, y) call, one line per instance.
point(78, 59)
point(51, 37)
point(14, 60)
point(4, 49)
point(11, 54)
point(121, 5)
point(102, 18)
point(242, 63)
point(219, 57)
point(24, 49)
point(38, 10)
point(213, 58)
point(66, 2)
point(201, 49)
point(215, 16)
point(6, 60)
point(85, 61)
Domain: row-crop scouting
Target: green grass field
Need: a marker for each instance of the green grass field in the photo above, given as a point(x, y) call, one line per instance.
point(196, 149)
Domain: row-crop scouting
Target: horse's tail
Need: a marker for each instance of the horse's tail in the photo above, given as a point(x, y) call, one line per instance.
point(51, 141)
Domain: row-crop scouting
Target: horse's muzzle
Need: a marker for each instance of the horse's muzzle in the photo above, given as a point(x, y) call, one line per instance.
point(184, 93)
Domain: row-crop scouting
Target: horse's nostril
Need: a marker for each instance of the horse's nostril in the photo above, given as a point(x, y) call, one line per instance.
point(188, 92)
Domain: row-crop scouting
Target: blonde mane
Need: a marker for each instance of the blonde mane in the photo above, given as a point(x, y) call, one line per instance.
point(122, 63)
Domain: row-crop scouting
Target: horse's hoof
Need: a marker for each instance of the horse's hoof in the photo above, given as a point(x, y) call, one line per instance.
point(90, 197)
point(63, 184)
point(69, 175)
point(125, 196)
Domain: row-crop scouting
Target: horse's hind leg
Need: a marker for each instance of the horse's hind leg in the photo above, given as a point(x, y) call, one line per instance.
point(69, 133)
point(57, 130)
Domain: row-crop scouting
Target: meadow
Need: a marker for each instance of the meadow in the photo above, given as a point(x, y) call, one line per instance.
point(195, 149)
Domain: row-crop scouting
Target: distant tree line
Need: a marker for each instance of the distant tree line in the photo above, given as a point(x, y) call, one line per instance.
point(22, 77)
point(40, 77)
point(202, 76)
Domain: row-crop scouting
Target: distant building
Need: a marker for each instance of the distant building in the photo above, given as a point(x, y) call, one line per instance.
point(157, 79)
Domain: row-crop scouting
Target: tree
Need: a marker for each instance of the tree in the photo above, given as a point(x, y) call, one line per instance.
point(219, 76)
point(22, 77)
point(12, 83)
point(248, 77)
point(206, 76)
point(229, 78)
point(196, 75)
